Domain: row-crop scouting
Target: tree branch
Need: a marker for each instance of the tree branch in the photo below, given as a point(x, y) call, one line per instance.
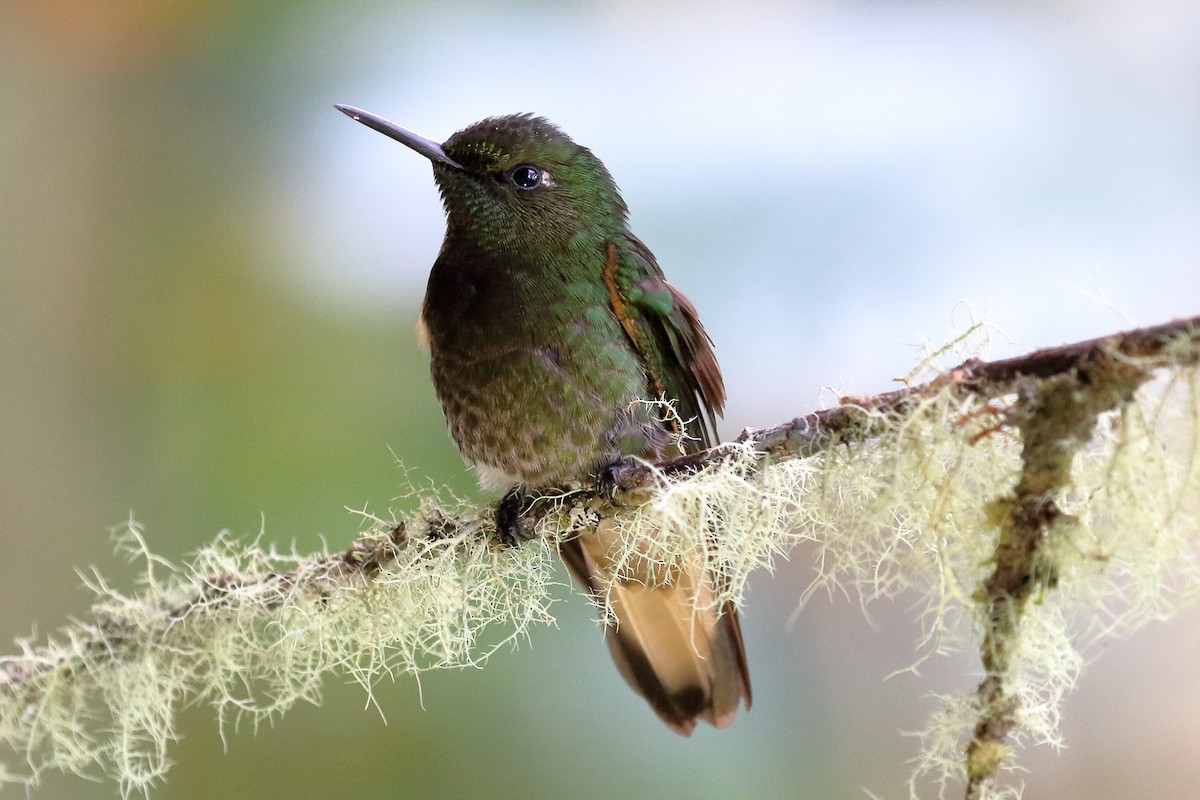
point(858, 419)
point(966, 488)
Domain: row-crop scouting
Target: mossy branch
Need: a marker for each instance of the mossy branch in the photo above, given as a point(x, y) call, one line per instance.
point(1025, 497)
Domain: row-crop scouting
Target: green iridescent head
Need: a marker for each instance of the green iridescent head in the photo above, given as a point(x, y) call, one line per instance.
point(516, 181)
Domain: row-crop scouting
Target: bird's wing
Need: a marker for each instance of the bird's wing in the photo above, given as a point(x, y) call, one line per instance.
point(666, 332)
point(670, 640)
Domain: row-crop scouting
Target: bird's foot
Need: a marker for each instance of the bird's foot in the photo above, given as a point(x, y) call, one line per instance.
point(509, 529)
point(608, 485)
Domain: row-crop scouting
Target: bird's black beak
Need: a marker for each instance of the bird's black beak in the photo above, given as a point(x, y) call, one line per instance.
point(426, 147)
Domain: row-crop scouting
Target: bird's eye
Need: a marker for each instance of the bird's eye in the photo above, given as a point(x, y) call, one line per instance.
point(527, 176)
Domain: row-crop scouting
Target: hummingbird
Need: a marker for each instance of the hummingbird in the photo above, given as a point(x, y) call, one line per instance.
point(554, 341)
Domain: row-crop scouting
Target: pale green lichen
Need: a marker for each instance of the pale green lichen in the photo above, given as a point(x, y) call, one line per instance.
point(228, 630)
point(918, 509)
point(915, 511)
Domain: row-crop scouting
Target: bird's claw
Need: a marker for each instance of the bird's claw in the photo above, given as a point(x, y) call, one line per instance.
point(509, 530)
point(608, 484)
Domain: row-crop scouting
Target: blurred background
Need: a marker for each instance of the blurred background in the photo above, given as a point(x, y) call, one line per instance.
point(209, 280)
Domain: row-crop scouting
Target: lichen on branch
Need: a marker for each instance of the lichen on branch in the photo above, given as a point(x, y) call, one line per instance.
point(1029, 502)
